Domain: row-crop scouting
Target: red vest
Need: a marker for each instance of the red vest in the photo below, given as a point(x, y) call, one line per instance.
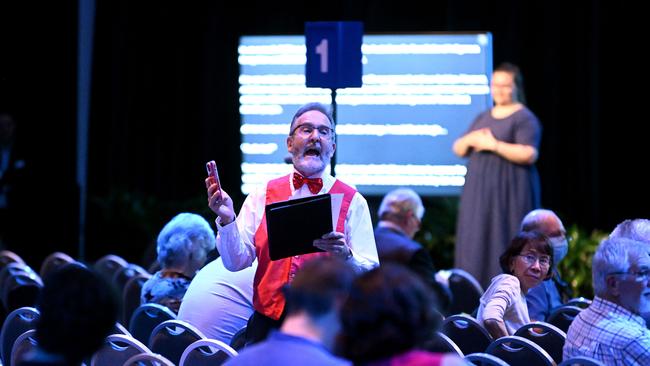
point(272, 275)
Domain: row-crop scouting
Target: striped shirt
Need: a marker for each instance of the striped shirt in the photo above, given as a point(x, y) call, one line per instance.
point(609, 333)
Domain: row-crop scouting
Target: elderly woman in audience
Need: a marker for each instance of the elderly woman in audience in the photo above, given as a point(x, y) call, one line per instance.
point(183, 246)
point(526, 263)
point(388, 317)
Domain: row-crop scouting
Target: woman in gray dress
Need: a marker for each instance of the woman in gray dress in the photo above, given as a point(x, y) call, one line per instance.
point(502, 183)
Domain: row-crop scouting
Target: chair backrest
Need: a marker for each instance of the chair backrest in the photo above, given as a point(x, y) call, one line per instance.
point(468, 334)
point(238, 340)
point(581, 302)
point(170, 338)
point(517, 350)
point(131, 295)
point(123, 275)
point(53, 262)
point(547, 336)
point(581, 361)
point(206, 352)
point(485, 359)
point(107, 265)
point(117, 348)
point(17, 322)
point(465, 291)
point(12, 269)
point(24, 345)
point(148, 359)
point(120, 329)
point(440, 343)
point(21, 290)
point(562, 316)
point(7, 256)
point(146, 317)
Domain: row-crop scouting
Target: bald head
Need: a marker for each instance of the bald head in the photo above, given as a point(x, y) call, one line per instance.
point(543, 221)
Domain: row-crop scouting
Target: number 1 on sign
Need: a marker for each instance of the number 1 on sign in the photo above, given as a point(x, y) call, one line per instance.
point(321, 50)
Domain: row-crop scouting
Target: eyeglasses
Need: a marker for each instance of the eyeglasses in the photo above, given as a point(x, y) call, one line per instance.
point(529, 259)
point(640, 276)
point(306, 129)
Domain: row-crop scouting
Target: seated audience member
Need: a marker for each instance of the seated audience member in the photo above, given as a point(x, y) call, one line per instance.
point(218, 301)
point(78, 310)
point(388, 315)
point(400, 215)
point(307, 334)
point(182, 247)
point(611, 329)
point(551, 293)
point(636, 229)
point(526, 263)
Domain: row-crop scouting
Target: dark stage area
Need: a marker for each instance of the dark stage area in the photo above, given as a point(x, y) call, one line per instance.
point(164, 100)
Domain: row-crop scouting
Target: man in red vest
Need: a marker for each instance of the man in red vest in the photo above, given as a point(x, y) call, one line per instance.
point(311, 143)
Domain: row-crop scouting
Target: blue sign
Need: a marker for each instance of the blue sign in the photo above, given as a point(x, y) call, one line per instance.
point(333, 54)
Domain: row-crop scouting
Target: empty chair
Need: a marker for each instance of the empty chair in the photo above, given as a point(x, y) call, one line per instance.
point(465, 291)
point(547, 336)
point(123, 275)
point(131, 295)
point(581, 302)
point(21, 290)
point(108, 265)
point(25, 344)
point(517, 350)
point(12, 269)
point(146, 317)
point(206, 352)
point(468, 334)
point(442, 344)
point(238, 340)
point(563, 316)
point(148, 359)
point(485, 359)
point(581, 361)
point(116, 350)
point(170, 338)
point(17, 322)
point(7, 256)
point(54, 261)
point(120, 329)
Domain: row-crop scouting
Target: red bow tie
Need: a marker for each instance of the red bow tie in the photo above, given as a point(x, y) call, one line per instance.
point(314, 184)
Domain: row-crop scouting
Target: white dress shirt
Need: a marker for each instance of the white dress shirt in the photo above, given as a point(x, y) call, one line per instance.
point(236, 243)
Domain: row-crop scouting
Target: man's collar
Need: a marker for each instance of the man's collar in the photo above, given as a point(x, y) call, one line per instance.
point(391, 225)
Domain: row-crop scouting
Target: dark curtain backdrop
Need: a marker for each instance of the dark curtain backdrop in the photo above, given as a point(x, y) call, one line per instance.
point(164, 98)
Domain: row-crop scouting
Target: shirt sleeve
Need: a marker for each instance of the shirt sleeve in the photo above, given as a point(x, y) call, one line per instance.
point(236, 241)
point(359, 234)
point(502, 298)
point(528, 130)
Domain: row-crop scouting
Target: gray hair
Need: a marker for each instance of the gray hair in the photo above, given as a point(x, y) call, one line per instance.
point(314, 106)
point(399, 201)
point(183, 235)
point(637, 229)
point(613, 255)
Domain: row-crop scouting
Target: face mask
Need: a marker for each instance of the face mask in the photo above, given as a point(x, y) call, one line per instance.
point(560, 248)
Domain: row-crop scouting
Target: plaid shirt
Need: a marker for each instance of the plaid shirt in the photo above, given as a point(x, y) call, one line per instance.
point(609, 333)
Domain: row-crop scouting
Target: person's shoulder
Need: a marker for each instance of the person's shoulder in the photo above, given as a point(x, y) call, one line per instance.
point(526, 115)
point(505, 280)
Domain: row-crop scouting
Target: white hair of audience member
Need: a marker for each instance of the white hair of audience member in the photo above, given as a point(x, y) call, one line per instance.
point(637, 229)
point(185, 239)
point(400, 201)
point(613, 256)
